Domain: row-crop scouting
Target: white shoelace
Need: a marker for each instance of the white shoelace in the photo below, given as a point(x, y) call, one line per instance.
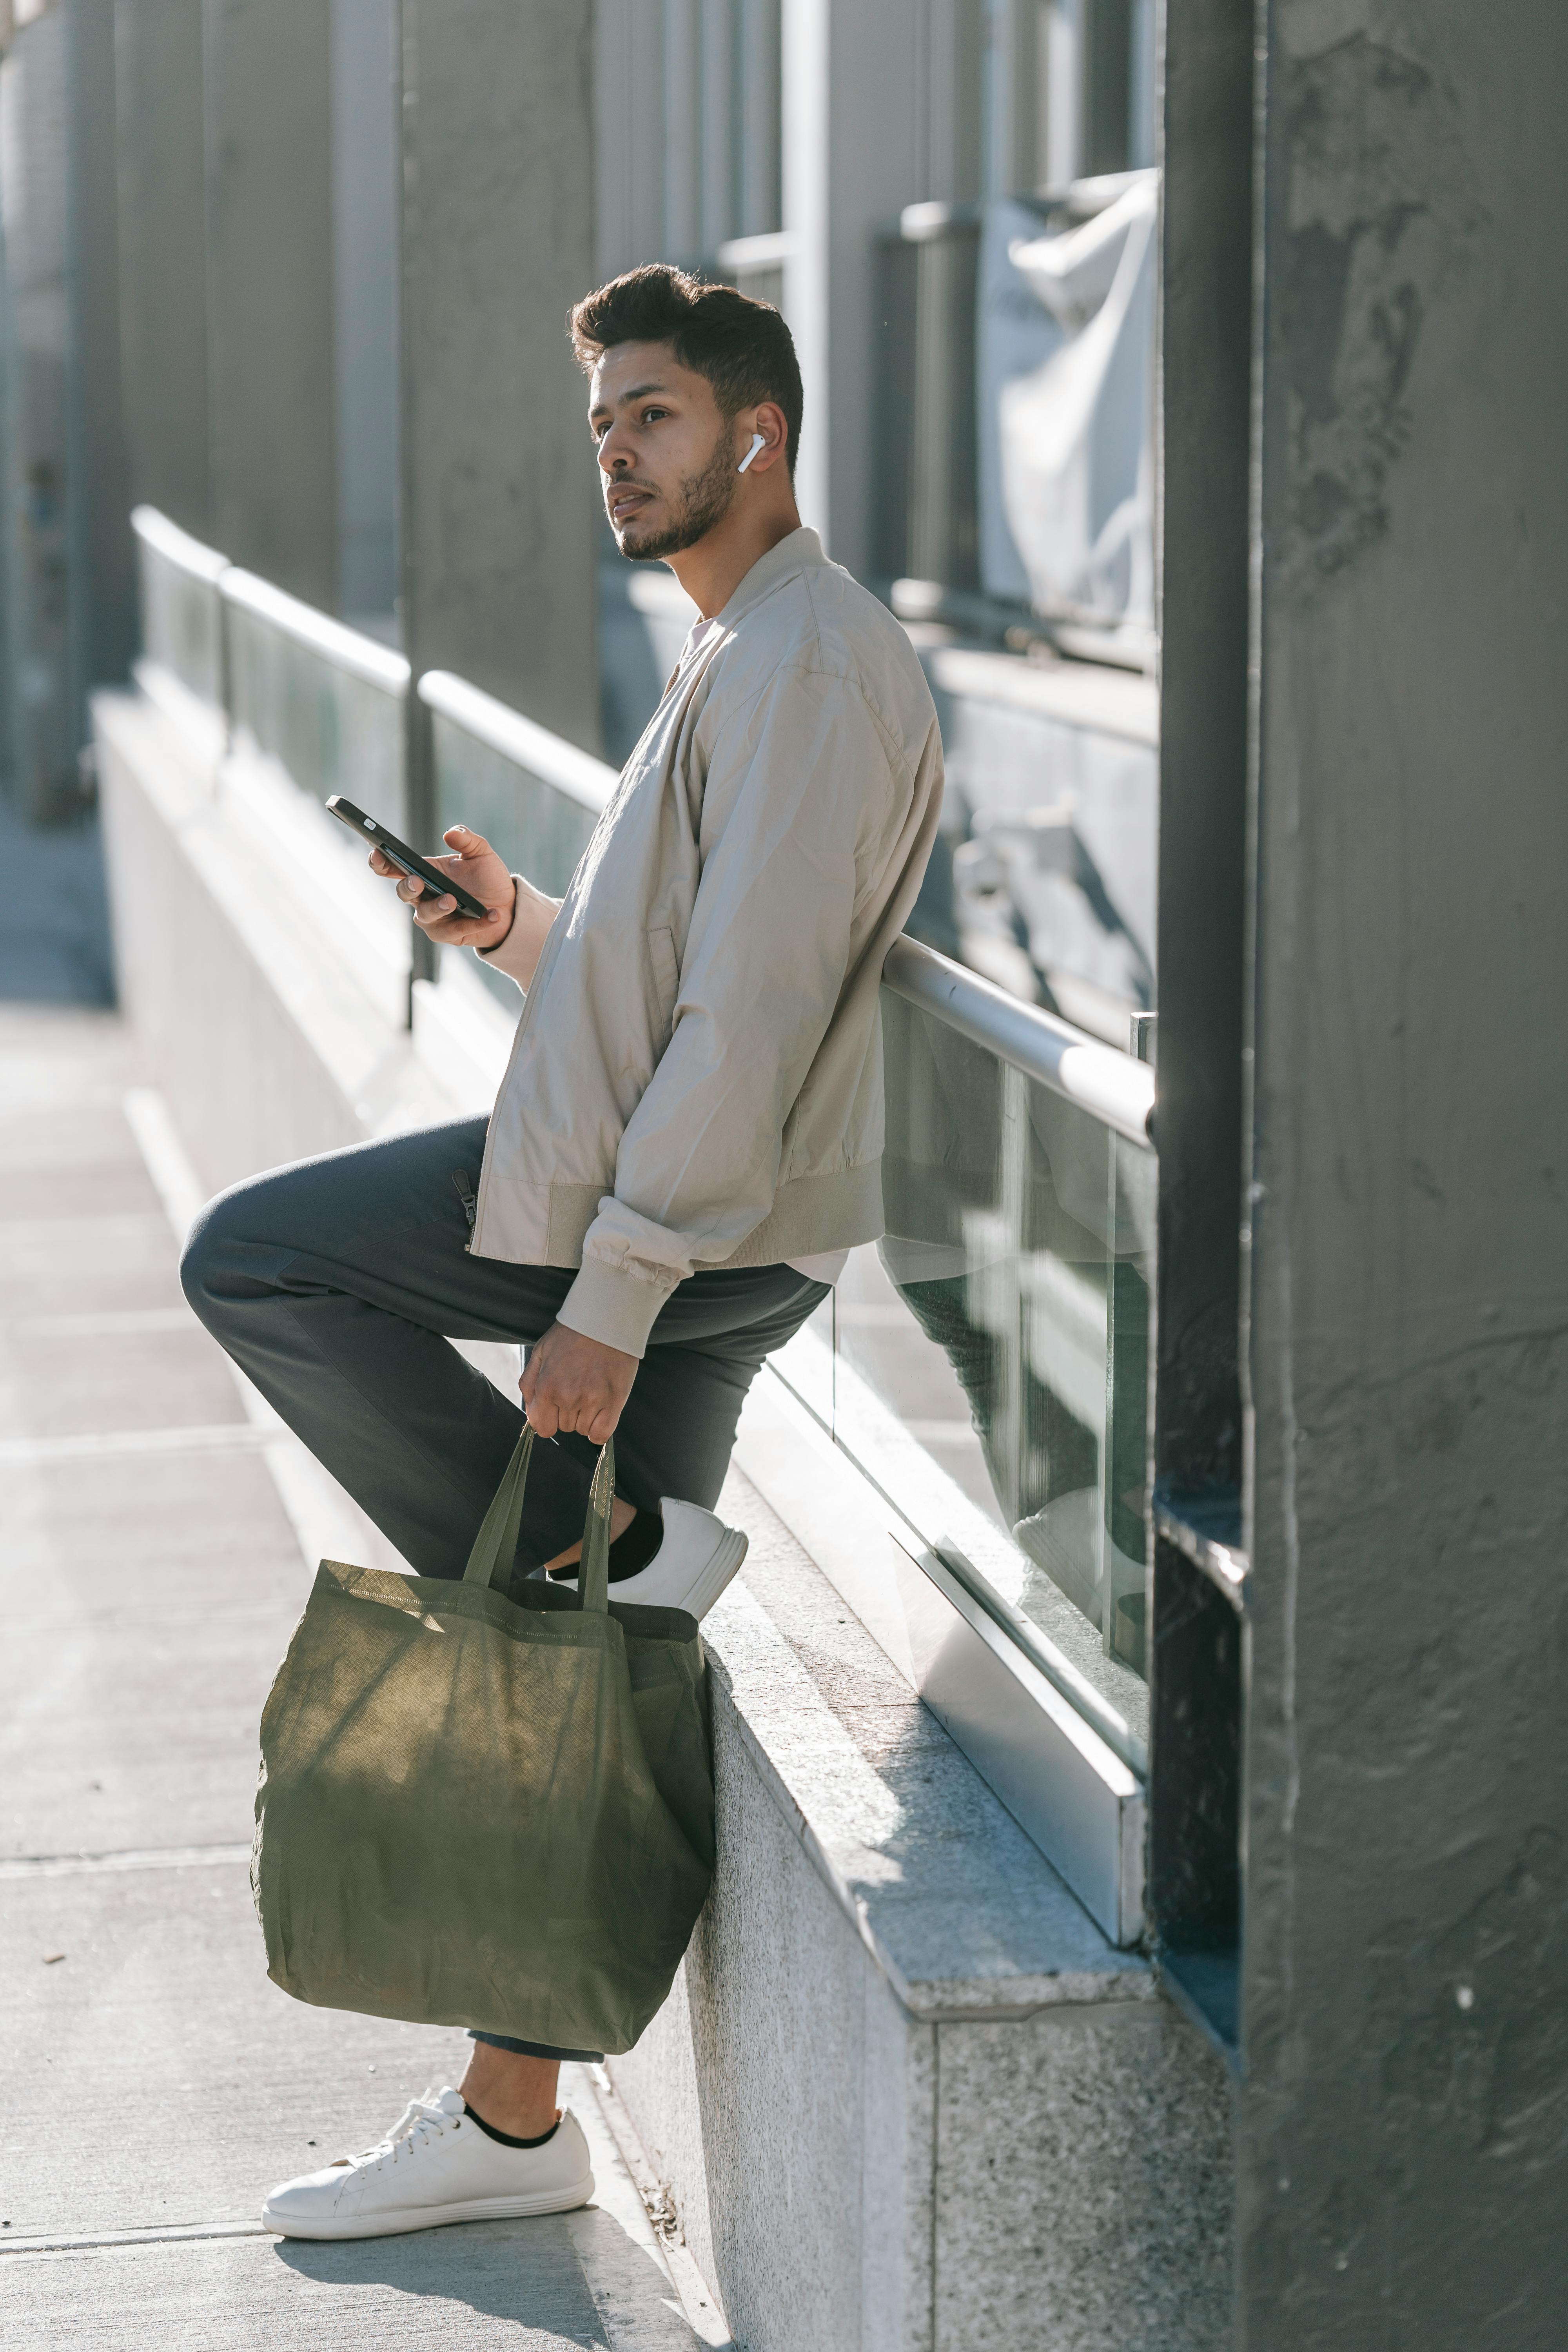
point(421, 2121)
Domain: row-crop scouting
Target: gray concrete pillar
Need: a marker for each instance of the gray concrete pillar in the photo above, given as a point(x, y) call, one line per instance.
point(267, 82)
point(101, 555)
point(853, 104)
point(1405, 1956)
point(1206, 343)
point(162, 258)
point(68, 592)
point(34, 139)
point(500, 512)
point(365, 246)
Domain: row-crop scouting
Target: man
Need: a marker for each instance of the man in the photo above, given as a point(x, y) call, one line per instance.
point(688, 1139)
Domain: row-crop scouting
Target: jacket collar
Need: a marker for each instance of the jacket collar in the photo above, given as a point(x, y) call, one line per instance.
point(800, 550)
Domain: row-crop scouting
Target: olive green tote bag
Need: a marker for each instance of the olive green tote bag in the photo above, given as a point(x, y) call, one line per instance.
point(475, 1810)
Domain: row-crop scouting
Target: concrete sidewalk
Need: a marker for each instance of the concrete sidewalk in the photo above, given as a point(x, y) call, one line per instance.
point(156, 2082)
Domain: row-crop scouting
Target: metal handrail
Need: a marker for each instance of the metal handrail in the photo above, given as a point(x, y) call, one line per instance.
point(1110, 1085)
point(342, 647)
point(177, 547)
point(577, 774)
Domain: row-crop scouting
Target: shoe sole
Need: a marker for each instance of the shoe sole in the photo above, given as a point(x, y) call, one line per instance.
point(723, 1566)
point(394, 2225)
point(707, 1586)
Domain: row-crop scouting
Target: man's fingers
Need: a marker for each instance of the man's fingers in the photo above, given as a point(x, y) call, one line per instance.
point(568, 1416)
point(572, 1387)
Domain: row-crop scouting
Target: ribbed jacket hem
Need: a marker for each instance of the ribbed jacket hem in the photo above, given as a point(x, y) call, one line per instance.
point(546, 1224)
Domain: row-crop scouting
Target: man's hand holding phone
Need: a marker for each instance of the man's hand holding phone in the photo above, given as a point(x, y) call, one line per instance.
point(475, 867)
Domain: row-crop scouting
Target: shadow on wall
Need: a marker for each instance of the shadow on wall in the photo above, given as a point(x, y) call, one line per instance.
point(55, 944)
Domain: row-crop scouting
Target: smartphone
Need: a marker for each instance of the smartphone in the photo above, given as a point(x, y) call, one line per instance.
point(397, 852)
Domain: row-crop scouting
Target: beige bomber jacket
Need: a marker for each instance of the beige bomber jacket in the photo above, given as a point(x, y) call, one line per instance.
point(696, 1076)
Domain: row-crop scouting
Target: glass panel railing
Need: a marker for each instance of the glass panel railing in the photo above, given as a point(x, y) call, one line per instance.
point(182, 619)
point(1003, 1320)
point(989, 1357)
point(324, 702)
point(535, 797)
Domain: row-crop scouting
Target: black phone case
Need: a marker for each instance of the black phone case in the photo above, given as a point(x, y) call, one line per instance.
point(371, 828)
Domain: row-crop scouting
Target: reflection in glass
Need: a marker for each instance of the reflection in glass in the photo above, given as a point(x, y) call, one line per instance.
point(537, 829)
point(330, 731)
point(180, 623)
point(992, 1352)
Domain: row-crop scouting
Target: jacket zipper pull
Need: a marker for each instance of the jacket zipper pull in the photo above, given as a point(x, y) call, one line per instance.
point(466, 1194)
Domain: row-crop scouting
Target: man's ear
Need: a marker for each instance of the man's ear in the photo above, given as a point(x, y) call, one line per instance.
point(766, 419)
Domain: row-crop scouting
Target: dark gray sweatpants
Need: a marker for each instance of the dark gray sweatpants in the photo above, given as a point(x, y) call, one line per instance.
point(336, 1284)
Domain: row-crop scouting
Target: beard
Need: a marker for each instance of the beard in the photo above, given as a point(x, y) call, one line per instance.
point(704, 499)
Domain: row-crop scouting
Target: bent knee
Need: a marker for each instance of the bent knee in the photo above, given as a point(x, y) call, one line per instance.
point(207, 1255)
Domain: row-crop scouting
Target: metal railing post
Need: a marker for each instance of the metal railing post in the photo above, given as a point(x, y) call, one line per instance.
point(419, 789)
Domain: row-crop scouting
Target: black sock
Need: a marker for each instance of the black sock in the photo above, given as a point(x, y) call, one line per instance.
point(631, 1550)
point(506, 2139)
point(635, 1546)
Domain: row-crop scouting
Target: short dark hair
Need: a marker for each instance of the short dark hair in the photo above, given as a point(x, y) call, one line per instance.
point(743, 347)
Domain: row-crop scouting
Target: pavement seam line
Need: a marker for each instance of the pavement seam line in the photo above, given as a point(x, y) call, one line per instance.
point(14, 1867)
point(49, 2241)
point(88, 1445)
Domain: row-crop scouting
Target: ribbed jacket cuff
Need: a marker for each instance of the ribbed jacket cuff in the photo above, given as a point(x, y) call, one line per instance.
point(498, 957)
point(608, 1304)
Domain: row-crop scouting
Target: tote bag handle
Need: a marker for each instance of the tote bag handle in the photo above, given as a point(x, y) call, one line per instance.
point(489, 1563)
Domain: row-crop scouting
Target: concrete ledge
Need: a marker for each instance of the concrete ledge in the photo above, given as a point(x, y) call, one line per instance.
point(905, 2094)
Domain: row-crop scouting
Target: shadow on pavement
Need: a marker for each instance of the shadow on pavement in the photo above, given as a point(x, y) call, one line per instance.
point(523, 2271)
point(534, 2272)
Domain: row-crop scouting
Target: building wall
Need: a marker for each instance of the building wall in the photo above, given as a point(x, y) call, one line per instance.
point(1406, 1975)
point(35, 188)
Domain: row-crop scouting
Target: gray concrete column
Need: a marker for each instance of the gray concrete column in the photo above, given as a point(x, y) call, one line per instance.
point(365, 237)
point(103, 577)
point(1206, 348)
point(267, 82)
point(628, 142)
point(852, 160)
point(69, 579)
point(500, 512)
point(162, 258)
point(1405, 1959)
point(35, 139)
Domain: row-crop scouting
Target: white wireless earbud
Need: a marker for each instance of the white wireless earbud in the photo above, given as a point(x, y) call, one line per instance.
point(759, 441)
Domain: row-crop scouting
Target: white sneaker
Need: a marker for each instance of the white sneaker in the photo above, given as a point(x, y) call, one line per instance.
point(435, 2166)
point(694, 1562)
